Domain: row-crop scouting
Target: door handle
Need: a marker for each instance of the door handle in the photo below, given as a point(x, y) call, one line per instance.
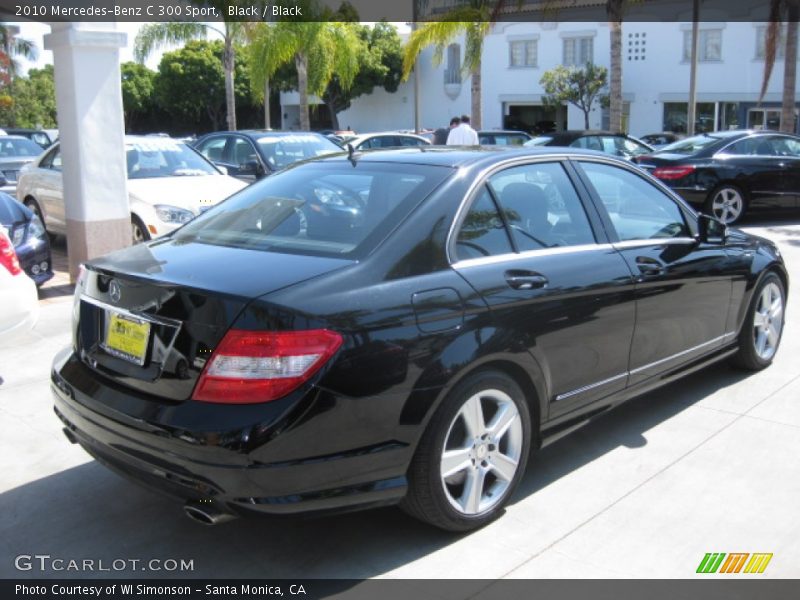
point(649, 267)
point(526, 280)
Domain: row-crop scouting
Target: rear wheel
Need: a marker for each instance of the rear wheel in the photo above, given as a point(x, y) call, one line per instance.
point(472, 455)
point(763, 325)
point(34, 207)
point(139, 232)
point(726, 203)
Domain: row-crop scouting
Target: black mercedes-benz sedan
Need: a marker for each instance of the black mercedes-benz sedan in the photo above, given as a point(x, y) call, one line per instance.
point(727, 173)
point(489, 300)
point(29, 238)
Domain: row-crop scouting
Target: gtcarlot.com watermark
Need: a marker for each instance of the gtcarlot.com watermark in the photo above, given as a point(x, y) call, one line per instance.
point(45, 563)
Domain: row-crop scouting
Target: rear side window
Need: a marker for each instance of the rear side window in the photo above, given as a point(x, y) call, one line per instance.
point(482, 232)
point(322, 209)
point(637, 208)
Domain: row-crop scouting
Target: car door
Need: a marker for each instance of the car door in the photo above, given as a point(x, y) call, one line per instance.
point(755, 165)
point(787, 149)
point(49, 191)
point(683, 287)
point(529, 246)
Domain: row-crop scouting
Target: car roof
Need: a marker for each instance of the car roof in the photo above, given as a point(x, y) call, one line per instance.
point(458, 156)
point(259, 133)
point(502, 132)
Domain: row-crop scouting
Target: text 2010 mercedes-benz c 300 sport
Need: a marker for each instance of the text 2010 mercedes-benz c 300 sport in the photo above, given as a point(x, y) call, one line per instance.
point(402, 327)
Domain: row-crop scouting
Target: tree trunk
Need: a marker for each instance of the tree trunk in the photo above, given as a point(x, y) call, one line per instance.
point(475, 91)
point(586, 119)
point(267, 120)
point(301, 63)
point(615, 81)
point(788, 123)
point(334, 117)
point(228, 62)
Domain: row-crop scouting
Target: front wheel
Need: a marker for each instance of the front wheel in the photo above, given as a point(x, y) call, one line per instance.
point(763, 325)
point(139, 232)
point(726, 203)
point(472, 455)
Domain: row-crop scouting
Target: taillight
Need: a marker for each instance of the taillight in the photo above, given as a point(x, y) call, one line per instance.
point(8, 256)
point(259, 366)
point(678, 172)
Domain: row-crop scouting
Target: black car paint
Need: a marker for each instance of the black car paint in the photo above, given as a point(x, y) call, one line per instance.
point(767, 181)
point(414, 326)
point(32, 250)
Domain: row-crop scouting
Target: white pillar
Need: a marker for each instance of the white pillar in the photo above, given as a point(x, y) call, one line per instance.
point(91, 132)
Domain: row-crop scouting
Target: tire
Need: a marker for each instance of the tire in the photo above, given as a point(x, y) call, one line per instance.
point(763, 325)
point(139, 232)
point(34, 207)
point(727, 203)
point(491, 465)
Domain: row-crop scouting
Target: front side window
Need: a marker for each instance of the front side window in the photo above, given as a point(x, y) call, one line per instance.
point(213, 149)
point(709, 45)
point(541, 207)
point(523, 53)
point(578, 51)
point(638, 209)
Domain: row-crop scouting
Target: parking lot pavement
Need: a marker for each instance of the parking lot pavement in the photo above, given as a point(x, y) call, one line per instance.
point(708, 464)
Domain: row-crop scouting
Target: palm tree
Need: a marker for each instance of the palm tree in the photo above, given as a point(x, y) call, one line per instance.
point(789, 10)
point(156, 35)
point(474, 21)
point(318, 49)
point(614, 11)
point(11, 46)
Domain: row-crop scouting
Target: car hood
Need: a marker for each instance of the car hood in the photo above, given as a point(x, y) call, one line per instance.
point(190, 192)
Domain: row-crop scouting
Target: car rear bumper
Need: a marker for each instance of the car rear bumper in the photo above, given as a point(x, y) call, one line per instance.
point(172, 461)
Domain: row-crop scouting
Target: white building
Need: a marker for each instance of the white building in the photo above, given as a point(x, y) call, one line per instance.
point(655, 79)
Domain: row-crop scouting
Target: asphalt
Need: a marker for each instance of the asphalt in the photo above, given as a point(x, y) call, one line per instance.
point(708, 464)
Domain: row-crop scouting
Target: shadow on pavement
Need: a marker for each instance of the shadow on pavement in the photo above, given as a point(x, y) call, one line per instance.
point(89, 512)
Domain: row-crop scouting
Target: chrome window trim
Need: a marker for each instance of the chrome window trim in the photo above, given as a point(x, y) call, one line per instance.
point(591, 386)
point(721, 151)
point(653, 242)
point(513, 256)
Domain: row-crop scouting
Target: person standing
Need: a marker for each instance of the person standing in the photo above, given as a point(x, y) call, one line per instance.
point(463, 135)
point(440, 135)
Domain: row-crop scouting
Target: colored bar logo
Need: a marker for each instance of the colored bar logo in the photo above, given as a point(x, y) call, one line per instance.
point(736, 562)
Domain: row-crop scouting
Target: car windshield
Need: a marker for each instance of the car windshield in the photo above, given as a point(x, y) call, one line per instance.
point(321, 209)
point(690, 145)
point(542, 140)
point(18, 147)
point(281, 151)
point(164, 158)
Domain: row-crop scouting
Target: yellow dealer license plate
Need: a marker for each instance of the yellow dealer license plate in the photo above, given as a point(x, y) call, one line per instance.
point(127, 337)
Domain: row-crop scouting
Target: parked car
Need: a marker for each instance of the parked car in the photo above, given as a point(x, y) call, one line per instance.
point(503, 138)
point(15, 153)
point(659, 140)
point(28, 237)
point(253, 154)
point(40, 136)
point(727, 173)
point(387, 139)
point(616, 144)
point(18, 295)
point(169, 183)
point(415, 359)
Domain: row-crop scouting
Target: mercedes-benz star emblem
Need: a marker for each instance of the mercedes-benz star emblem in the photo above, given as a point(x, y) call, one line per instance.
point(114, 292)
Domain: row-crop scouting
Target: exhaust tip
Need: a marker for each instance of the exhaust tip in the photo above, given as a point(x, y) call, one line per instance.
point(70, 436)
point(206, 514)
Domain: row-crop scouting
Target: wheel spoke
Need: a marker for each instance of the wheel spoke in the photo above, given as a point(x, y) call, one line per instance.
point(776, 308)
point(504, 466)
point(502, 421)
point(759, 320)
point(772, 336)
point(761, 342)
point(472, 413)
point(473, 491)
point(455, 461)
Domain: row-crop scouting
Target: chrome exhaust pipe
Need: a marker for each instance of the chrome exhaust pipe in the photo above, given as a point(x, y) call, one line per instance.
point(205, 513)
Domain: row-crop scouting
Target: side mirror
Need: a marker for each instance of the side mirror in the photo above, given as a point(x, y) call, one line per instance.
point(711, 230)
point(252, 167)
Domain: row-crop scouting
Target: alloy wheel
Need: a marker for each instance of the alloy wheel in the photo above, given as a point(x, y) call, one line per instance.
point(727, 205)
point(482, 451)
point(768, 321)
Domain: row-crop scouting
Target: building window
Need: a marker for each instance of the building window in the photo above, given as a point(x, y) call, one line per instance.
point(578, 51)
point(523, 53)
point(452, 73)
point(761, 42)
point(709, 45)
point(676, 114)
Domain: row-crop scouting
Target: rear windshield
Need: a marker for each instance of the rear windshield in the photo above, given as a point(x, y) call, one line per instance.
point(323, 209)
point(690, 145)
point(282, 150)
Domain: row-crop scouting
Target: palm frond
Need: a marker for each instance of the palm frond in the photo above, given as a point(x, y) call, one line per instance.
point(432, 33)
point(771, 44)
point(157, 35)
